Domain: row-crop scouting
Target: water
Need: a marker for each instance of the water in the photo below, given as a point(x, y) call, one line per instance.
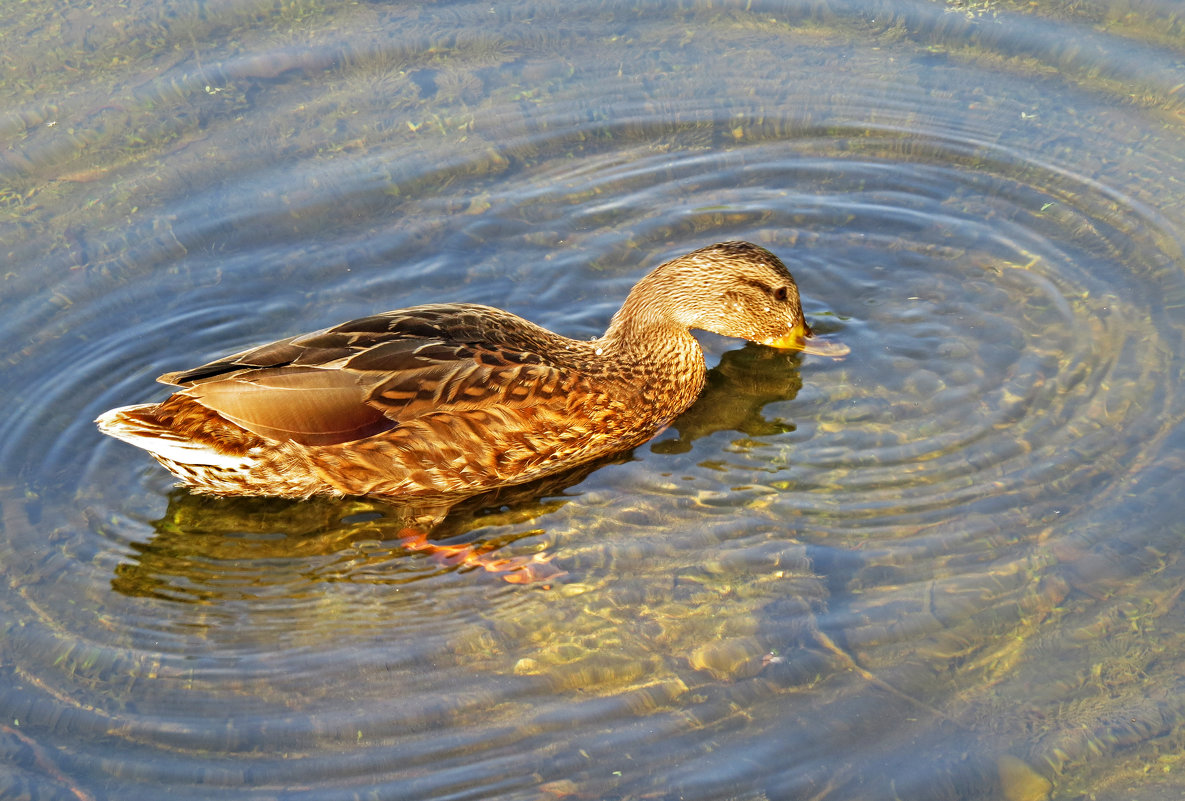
point(942, 568)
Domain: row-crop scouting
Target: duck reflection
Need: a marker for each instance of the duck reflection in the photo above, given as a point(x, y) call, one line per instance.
point(736, 392)
point(205, 548)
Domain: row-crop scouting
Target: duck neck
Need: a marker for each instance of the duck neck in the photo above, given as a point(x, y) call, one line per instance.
point(644, 334)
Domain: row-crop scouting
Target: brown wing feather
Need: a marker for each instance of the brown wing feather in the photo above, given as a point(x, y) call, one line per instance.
point(367, 376)
point(441, 322)
point(309, 405)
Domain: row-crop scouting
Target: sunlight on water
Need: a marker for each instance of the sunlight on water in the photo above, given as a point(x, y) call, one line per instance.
point(944, 567)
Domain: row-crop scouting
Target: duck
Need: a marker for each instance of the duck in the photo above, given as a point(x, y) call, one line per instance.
point(450, 400)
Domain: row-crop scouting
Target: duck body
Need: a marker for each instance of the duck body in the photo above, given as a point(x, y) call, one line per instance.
point(448, 400)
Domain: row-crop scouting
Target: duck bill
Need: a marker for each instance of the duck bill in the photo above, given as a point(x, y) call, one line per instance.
point(800, 338)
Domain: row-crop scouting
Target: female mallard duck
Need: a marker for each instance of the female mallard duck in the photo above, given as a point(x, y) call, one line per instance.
point(454, 399)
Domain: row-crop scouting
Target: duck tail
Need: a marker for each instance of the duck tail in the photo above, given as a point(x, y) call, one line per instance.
point(139, 425)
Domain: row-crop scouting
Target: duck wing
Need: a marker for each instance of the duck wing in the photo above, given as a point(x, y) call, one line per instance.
point(371, 375)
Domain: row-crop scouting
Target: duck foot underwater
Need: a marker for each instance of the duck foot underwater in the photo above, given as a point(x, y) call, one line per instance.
point(533, 569)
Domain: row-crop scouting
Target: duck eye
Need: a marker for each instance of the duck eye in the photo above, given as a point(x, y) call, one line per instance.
point(781, 293)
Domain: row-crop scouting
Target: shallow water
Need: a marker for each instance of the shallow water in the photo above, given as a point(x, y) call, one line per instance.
point(945, 567)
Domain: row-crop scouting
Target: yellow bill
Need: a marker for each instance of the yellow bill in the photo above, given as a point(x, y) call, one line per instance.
point(803, 339)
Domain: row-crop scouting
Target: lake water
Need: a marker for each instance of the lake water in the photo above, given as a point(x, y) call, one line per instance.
point(945, 567)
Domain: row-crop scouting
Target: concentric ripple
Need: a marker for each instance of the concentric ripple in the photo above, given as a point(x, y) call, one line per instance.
point(959, 541)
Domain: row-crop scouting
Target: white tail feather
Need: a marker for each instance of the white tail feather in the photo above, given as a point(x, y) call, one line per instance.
point(161, 442)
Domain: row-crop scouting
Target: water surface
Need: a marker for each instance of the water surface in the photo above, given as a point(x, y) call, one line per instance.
point(942, 568)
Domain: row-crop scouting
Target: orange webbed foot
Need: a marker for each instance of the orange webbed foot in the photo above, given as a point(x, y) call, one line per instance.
point(532, 569)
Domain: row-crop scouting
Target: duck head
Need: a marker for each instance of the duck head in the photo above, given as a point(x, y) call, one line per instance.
point(736, 289)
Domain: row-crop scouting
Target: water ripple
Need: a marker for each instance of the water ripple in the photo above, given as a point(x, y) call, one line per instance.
point(821, 570)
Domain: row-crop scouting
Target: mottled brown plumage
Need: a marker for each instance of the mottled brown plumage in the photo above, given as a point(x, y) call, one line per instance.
point(453, 399)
